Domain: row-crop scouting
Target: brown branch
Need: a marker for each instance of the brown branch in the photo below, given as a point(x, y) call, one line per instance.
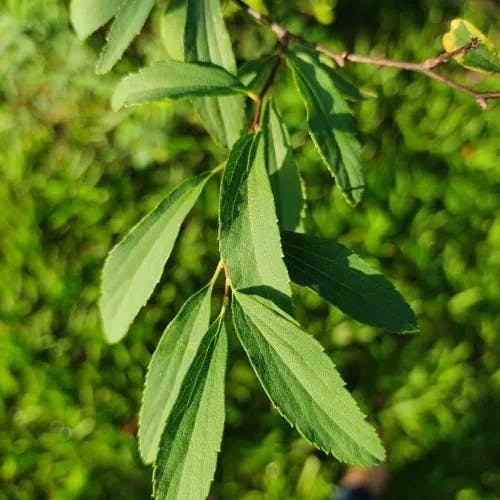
point(425, 67)
point(283, 42)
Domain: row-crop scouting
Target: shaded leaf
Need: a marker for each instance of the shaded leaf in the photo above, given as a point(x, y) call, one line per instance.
point(254, 74)
point(128, 22)
point(302, 382)
point(172, 29)
point(248, 229)
point(175, 80)
point(345, 87)
point(483, 58)
point(329, 120)
point(88, 16)
point(187, 458)
point(134, 266)
point(206, 39)
point(169, 365)
point(283, 172)
point(346, 281)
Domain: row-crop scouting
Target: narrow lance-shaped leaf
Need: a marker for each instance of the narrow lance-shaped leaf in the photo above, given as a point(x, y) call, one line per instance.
point(88, 16)
point(134, 266)
point(329, 120)
point(206, 39)
point(283, 172)
point(346, 281)
point(128, 22)
point(483, 58)
point(187, 458)
point(248, 228)
point(302, 382)
point(169, 365)
point(174, 80)
point(172, 29)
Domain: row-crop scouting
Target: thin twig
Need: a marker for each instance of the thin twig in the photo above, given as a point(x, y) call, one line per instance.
point(267, 85)
point(425, 67)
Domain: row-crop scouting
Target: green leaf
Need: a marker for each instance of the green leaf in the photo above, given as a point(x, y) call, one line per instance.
point(172, 29)
point(302, 382)
point(345, 87)
point(187, 458)
point(330, 121)
point(128, 22)
point(283, 172)
point(168, 367)
point(482, 59)
point(88, 16)
point(254, 74)
point(346, 281)
point(206, 39)
point(248, 229)
point(175, 80)
point(134, 266)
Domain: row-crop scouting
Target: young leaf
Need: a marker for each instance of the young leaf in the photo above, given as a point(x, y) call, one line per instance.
point(128, 22)
point(168, 367)
point(88, 16)
point(483, 58)
point(134, 266)
point(302, 382)
point(346, 281)
point(248, 230)
point(330, 121)
point(283, 172)
point(172, 29)
point(175, 80)
point(206, 39)
point(187, 458)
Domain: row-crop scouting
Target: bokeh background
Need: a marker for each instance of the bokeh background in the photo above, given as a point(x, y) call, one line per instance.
point(74, 176)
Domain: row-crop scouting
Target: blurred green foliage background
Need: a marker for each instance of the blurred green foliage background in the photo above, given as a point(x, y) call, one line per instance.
point(74, 177)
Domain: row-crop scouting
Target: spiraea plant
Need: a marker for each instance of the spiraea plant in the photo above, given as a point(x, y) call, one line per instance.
point(262, 244)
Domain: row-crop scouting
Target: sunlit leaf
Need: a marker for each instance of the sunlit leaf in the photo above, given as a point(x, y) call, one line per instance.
point(483, 58)
point(206, 39)
point(248, 228)
point(88, 16)
point(187, 458)
point(134, 266)
point(302, 382)
point(128, 22)
point(329, 120)
point(283, 172)
point(169, 364)
point(346, 281)
point(172, 29)
point(175, 80)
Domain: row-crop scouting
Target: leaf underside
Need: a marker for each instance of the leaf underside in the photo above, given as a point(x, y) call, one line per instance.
point(134, 266)
point(187, 457)
point(174, 80)
point(88, 16)
point(206, 40)
point(169, 365)
point(129, 20)
point(172, 29)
